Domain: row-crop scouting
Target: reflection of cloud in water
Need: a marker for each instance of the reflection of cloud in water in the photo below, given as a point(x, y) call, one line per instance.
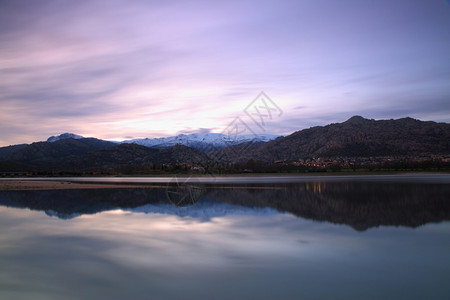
point(162, 241)
point(119, 254)
point(52, 213)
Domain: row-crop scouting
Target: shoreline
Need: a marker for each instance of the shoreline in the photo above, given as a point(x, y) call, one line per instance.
point(67, 183)
point(31, 185)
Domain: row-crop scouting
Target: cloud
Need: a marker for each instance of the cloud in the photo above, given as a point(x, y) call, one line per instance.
point(145, 68)
point(198, 130)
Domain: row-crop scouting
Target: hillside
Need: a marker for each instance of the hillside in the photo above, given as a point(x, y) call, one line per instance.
point(95, 155)
point(8, 150)
point(136, 156)
point(56, 153)
point(356, 137)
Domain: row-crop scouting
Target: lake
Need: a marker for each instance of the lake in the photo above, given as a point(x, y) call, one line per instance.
point(337, 237)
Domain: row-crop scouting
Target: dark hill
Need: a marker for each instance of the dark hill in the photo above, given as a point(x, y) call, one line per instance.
point(135, 156)
point(8, 150)
point(51, 154)
point(356, 137)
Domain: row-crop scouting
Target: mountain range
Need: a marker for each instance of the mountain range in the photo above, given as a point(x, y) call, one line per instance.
point(202, 141)
point(356, 137)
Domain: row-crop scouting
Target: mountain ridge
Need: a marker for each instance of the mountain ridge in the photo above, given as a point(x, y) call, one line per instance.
point(200, 141)
point(356, 137)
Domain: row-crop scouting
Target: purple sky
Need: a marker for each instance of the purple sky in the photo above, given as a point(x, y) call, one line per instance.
point(117, 69)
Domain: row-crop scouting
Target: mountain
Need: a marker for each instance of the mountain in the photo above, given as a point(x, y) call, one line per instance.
point(8, 150)
point(50, 155)
point(356, 137)
point(136, 156)
point(56, 153)
point(64, 136)
point(202, 141)
point(89, 154)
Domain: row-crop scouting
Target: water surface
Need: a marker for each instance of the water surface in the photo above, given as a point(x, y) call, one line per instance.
point(359, 239)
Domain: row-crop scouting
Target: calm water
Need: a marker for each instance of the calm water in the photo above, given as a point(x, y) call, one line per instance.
point(317, 239)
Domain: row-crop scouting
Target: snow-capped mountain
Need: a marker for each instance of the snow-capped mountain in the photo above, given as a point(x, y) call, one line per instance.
point(64, 136)
point(202, 141)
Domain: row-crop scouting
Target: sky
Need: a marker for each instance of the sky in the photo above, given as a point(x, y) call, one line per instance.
point(121, 69)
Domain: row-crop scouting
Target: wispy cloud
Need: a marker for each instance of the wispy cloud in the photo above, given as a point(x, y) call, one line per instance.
point(120, 68)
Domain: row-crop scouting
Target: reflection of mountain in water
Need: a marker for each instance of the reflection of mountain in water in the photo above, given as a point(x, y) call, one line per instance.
point(359, 204)
point(66, 204)
point(204, 210)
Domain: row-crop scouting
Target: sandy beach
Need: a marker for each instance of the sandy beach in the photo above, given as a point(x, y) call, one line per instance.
point(17, 185)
